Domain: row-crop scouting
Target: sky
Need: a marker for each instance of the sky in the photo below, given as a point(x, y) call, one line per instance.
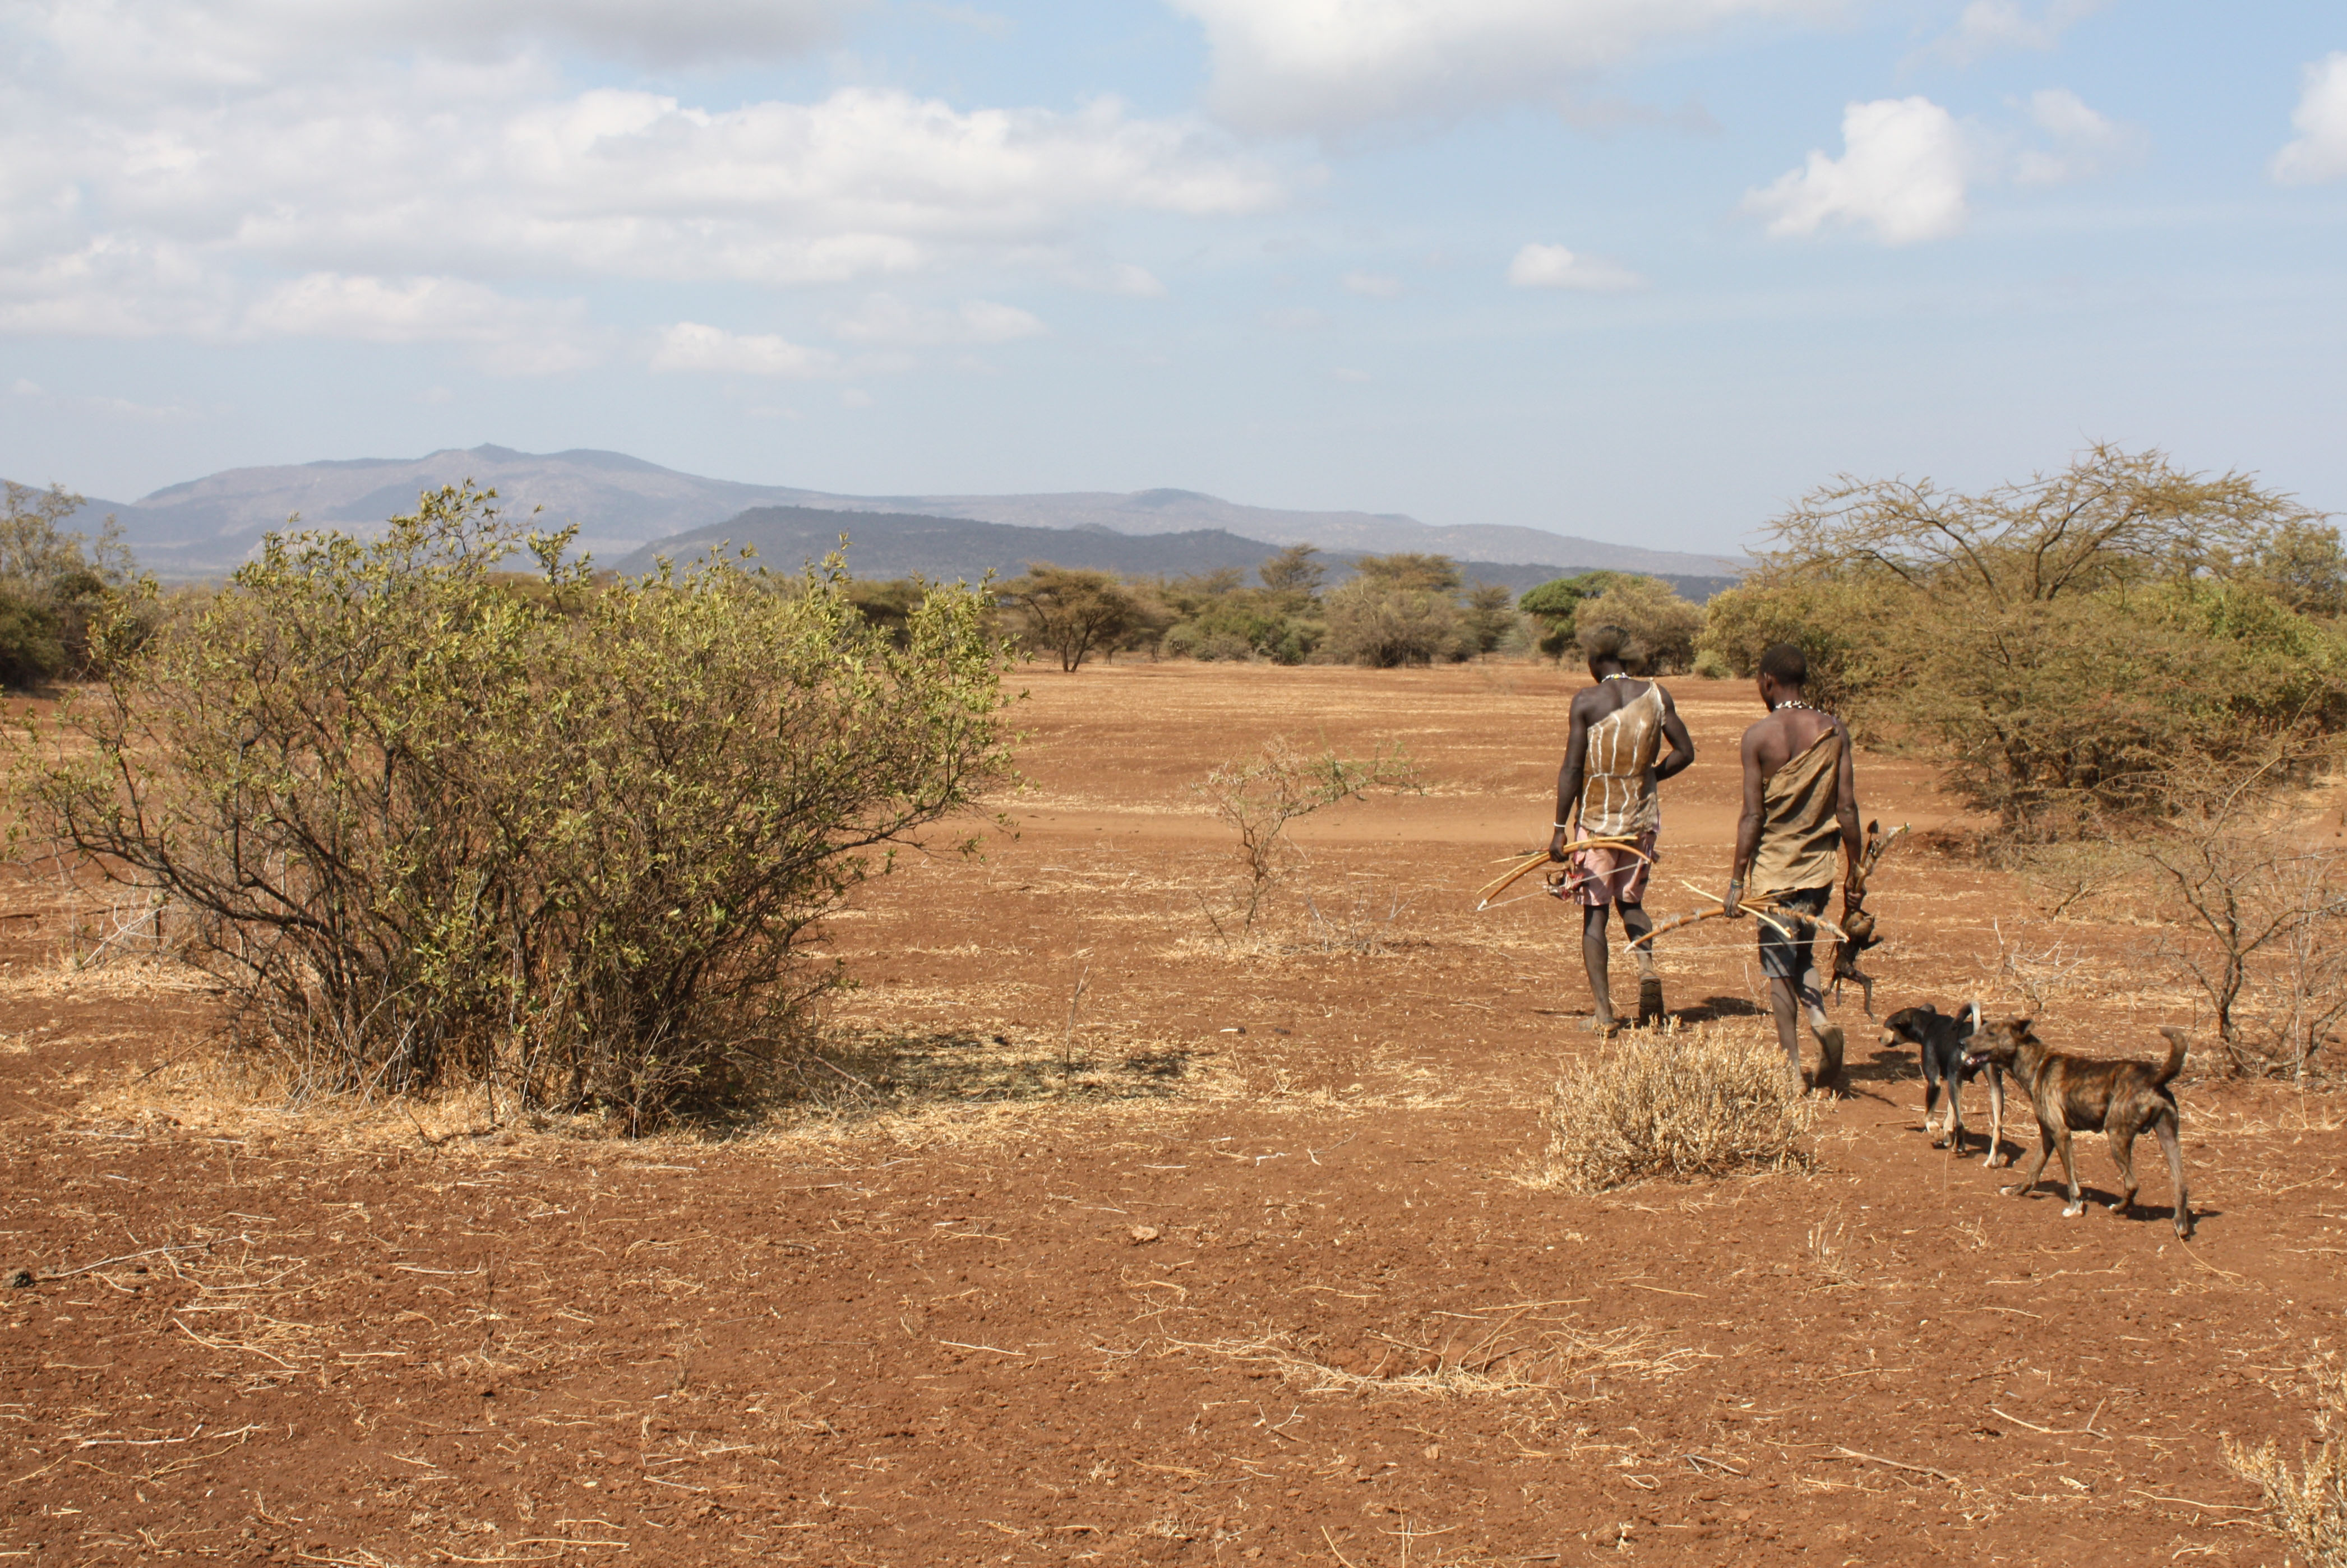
point(1636, 270)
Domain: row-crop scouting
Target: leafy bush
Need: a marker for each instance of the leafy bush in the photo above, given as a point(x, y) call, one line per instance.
point(2066, 644)
point(55, 585)
point(569, 844)
point(1556, 603)
point(1676, 1105)
point(1384, 627)
point(1651, 610)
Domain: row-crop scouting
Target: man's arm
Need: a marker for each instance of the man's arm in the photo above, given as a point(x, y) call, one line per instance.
point(1853, 843)
point(1568, 781)
point(1682, 751)
point(1748, 826)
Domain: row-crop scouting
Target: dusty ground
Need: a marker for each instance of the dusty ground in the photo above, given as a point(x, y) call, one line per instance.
point(1238, 1263)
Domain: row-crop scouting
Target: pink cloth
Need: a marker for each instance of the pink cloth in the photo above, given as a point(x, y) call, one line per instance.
point(1598, 875)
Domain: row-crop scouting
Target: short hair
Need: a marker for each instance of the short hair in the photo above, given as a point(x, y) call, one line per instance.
point(1612, 644)
point(1785, 665)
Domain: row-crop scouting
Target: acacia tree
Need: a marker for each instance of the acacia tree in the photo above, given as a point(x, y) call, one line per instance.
point(1068, 610)
point(2066, 640)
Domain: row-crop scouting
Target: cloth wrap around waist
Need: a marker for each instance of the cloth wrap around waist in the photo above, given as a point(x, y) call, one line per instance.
point(1617, 771)
point(1801, 836)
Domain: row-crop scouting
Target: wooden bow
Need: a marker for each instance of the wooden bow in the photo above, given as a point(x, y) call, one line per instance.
point(1539, 857)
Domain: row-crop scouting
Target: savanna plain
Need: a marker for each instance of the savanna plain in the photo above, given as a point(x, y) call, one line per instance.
point(1091, 1233)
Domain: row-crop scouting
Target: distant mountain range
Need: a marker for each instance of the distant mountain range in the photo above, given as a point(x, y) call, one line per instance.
point(891, 543)
point(624, 506)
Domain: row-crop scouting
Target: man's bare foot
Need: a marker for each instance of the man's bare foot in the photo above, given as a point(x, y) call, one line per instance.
point(1830, 1042)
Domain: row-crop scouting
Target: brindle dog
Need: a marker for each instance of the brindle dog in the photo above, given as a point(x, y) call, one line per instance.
point(2079, 1093)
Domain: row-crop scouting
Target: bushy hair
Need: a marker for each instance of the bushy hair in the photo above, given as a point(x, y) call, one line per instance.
point(1611, 643)
point(1785, 665)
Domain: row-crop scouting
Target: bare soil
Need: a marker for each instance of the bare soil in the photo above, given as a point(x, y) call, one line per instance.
point(1238, 1254)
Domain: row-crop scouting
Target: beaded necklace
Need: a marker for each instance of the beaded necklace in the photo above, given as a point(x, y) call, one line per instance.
point(1793, 702)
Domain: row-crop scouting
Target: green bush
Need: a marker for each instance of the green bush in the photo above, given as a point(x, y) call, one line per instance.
point(2076, 644)
point(570, 845)
point(1556, 603)
point(1370, 623)
point(55, 585)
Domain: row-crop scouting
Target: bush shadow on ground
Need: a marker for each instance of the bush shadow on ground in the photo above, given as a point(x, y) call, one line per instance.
point(1711, 1010)
point(896, 1072)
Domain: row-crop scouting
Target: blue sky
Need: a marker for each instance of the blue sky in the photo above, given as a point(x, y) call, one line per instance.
point(1643, 269)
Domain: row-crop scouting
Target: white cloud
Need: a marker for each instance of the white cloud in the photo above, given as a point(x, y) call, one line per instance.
point(1990, 26)
point(105, 407)
point(2320, 151)
point(233, 40)
point(1538, 266)
point(1138, 281)
point(2084, 143)
point(1901, 175)
point(1374, 286)
point(525, 337)
point(1336, 65)
point(690, 346)
point(155, 180)
point(886, 319)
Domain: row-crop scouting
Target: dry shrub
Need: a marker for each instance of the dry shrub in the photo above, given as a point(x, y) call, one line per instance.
point(1676, 1105)
point(2307, 1505)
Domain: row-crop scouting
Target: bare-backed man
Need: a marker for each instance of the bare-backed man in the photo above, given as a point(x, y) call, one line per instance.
point(1797, 836)
point(1613, 760)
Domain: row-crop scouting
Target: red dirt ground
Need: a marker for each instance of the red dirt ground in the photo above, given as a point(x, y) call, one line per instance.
point(1245, 1261)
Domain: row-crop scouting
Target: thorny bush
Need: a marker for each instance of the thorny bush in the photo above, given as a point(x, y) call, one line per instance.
point(571, 843)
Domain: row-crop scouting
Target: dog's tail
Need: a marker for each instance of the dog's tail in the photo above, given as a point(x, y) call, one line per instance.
point(1973, 1017)
point(2177, 1046)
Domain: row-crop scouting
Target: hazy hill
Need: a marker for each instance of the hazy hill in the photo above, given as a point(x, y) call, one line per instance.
point(889, 544)
point(622, 504)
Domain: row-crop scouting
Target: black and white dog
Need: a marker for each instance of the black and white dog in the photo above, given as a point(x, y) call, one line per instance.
point(1941, 1040)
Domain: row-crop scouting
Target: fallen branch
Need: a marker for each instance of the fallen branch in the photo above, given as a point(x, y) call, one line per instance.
point(131, 1257)
point(1896, 1464)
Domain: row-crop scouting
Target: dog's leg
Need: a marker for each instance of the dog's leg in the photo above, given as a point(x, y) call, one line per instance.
point(2075, 1206)
point(1956, 1108)
point(2036, 1166)
point(2122, 1135)
point(2164, 1128)
point(1997, 1156)
point(1931, 1094)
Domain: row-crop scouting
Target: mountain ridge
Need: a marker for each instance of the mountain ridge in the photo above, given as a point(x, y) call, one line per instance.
point(622, 502)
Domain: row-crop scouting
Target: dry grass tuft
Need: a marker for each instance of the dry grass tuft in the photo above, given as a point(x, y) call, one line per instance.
point(1678, 1105)
point(2307, 1505)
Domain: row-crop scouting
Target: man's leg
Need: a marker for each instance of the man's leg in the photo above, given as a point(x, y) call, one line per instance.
point(1636, 923)
point(1594, 961)
point(1789, 1027)
point(1829, 1035)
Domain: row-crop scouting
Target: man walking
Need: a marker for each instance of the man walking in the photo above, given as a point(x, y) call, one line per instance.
point(1606, 790)
point(1799, 827)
